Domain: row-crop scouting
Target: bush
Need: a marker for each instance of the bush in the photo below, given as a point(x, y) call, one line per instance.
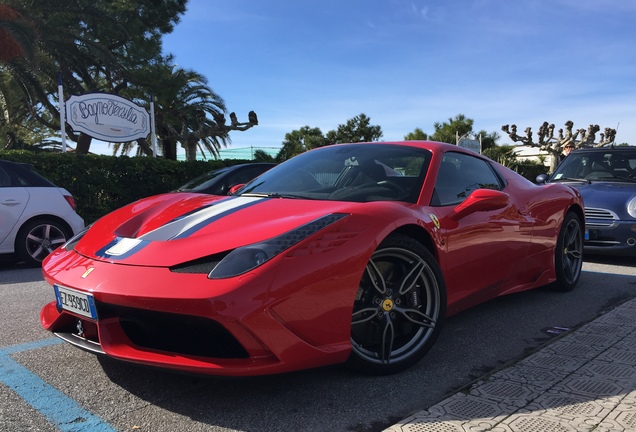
point(101, 184)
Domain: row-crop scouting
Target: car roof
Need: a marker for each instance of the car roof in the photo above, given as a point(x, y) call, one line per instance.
point(605, 149)
point(26, 172)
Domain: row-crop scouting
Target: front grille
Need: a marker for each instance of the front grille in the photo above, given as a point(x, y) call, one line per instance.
point(175, 333)
point(600, 218)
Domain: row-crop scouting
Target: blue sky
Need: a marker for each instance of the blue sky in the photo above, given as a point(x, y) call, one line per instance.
point(411, 63)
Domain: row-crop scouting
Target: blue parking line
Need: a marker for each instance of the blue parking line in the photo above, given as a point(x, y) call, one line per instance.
point(60, 410)
point(30, 346)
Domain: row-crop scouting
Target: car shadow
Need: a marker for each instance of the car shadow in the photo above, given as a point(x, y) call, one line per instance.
point(243, 403)
point(473, 344)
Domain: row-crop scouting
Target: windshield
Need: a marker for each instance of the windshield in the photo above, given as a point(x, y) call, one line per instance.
point(350, 172)
point(612, 164)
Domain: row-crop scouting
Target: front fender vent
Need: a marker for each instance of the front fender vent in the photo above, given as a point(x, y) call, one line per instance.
point(200, 266)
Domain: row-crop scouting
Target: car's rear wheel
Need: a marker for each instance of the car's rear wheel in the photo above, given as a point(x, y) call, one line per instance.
point(38, 238)
point(568, 258)
point(399, 308)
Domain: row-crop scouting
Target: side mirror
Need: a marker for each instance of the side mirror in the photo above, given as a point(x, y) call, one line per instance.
point(480, 200)
point(542, 178)
point(235, 188)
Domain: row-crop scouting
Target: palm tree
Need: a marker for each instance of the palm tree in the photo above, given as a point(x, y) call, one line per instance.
point(95, 46)
point(187, 111)
point(61, 45)
point(17, 35)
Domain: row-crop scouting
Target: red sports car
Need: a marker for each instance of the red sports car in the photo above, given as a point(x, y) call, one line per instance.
point(351, 253)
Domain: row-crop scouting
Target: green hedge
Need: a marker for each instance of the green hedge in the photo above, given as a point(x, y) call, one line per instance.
point(101, 184)
point(530, 170)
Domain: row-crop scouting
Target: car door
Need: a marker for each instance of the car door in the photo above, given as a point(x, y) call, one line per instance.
point(482, 246)
point(13, 201)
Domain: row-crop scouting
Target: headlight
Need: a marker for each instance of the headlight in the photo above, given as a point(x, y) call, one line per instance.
point(249, 257)
point(631, 207)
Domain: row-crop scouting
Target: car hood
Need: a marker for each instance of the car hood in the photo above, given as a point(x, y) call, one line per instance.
point(609, 195)
point(174, 228)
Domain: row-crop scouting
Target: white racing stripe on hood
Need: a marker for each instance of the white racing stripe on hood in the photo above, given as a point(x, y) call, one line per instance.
point(123, 246)
point(174, 228)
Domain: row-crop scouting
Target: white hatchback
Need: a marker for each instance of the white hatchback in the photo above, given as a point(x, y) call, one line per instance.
point(36, 216)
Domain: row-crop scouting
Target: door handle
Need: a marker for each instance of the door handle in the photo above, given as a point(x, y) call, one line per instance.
point(10, 203)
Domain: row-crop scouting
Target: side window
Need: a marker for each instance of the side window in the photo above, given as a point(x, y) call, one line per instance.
point(460, 174)
point(5, 178)
point(620, 165)
point(246, 174)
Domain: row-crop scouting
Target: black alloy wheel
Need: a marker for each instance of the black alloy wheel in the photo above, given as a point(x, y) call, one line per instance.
point(399, 308)
point(568, 258)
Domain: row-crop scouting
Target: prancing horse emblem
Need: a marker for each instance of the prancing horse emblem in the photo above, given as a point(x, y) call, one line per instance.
point(80, 328)
point(87, 272)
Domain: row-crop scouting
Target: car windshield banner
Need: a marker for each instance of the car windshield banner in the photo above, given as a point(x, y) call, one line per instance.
point(107, 117)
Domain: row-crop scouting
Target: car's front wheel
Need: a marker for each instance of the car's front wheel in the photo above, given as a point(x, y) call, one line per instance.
point(38, 238)
point(568, 258)
point(399, 308)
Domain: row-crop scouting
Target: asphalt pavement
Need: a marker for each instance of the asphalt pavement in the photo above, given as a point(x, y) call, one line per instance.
point(584, 380)
point(537, 361)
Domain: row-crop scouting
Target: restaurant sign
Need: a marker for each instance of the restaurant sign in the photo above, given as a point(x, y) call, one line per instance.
point(470, 144)
point(107, 117)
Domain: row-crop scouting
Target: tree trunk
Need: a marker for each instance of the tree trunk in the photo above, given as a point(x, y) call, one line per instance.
point(11, 141)
point(83, 144)
point(191, 151)
point(554, 161)
point(169, 148)
point(144, 146)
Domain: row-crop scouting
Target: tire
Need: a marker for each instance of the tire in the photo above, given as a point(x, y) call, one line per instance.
point(38, 238)
point(568, 257)
point(399, 308)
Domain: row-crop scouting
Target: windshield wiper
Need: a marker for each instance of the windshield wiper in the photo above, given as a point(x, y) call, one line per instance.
point(271, 195)
point(627, 179)
point(560, 179)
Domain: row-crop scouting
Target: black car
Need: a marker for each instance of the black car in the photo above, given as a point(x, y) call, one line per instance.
point(219, 182)
point(606, 177)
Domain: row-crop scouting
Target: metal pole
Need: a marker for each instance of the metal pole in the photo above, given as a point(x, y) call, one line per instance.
point(62, 111)
point(153, 135)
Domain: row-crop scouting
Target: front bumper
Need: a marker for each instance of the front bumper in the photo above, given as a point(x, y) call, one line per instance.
point(186, 322)
point(611, 238)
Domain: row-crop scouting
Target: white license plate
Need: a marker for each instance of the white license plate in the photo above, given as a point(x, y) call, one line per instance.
point(75, 301)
